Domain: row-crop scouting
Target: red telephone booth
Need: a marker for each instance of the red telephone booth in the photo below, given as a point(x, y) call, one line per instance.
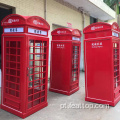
point(25, 45)
point(102, 58)
point(65, 60)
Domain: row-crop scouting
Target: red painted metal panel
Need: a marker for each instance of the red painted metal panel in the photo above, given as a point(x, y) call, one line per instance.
point(58, 63)
point(24, 66)
point(16, 20)
point(66, 31)
point(65, 60)
point(101, 51)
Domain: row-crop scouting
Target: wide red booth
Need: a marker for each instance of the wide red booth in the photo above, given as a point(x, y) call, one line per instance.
point(25, 46)
point(102, 68)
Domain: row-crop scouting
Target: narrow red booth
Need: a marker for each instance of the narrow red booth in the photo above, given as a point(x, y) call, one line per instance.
point(65, 60)
point(25, 46)
point(102, 68)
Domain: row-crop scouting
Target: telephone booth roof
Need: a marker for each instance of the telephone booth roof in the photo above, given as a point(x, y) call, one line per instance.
point(18, 20)
point(66, 31)
point(101, 26)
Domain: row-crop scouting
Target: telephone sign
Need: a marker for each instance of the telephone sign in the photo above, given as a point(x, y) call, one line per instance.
point(13, 30)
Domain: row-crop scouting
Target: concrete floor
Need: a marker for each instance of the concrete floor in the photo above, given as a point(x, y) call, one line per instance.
point(53, 111)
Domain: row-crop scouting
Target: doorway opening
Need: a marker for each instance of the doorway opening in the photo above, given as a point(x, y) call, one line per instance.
point(4, 11)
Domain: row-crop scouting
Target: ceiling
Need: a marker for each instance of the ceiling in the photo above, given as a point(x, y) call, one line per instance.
point(95, 8)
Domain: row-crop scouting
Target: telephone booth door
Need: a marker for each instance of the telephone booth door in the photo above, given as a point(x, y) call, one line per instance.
point(75, 65)
point(37, 71)
point(116, 66)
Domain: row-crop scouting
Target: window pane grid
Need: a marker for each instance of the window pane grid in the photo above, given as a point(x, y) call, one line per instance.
point(12, 68)
point(37, 72)
point(116, 64)
point(75, 66)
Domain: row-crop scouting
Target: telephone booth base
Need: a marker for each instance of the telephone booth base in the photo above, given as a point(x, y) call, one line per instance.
point(64, 92)
point(24, 115)
point(111, 103)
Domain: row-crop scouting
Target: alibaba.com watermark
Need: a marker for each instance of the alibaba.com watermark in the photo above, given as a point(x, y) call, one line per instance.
point(83, 106)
